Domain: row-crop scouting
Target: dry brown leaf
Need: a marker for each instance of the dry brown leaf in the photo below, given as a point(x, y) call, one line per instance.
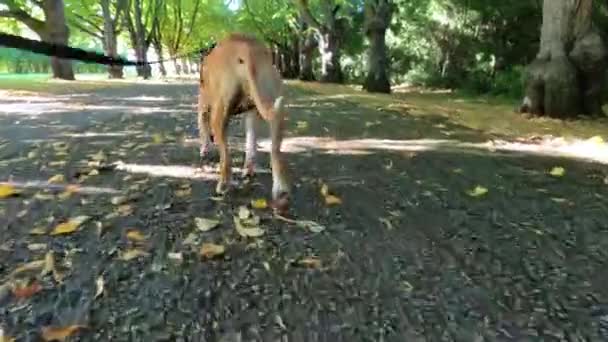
point(23, 292)
point(133, 254)
point(135, 235)
point(59, 333)
point(100, 286)
point(211, 250)
point(205, 224)
point(311, 262)
point(245, 231)
point(70, 226)
point(332, 200)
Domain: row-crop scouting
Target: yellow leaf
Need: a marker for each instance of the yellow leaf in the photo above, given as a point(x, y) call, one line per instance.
point(331, 200)
point(557, 171)
point(7, 190)
point(57, 179)
point(245, 231)
point(49, 263)
point(157, 138)
point(70, 226)
point(205, 224)
point(211, 250)
point(59, 333)
point(324, 190)
point(259, 203)
point(135, 235)
point(133, 254)
point(477, 191)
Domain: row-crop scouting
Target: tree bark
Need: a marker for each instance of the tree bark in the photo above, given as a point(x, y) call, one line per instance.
point(139, 39)
point(56, 31)
point(567, 77)
point(185, 66)
point(307, 50)
point(110, 38)
point(328, 36)
point(378, 15)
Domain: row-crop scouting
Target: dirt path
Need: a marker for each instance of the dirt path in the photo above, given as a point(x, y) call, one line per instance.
point(409, 254)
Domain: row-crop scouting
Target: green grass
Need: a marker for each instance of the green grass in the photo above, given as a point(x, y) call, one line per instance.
point(494, 115)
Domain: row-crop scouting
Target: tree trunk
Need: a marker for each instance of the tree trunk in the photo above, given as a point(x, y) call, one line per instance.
point(176, 65)
point(110, 40)
point(307, 50)
point(329, 48)
point(377, 74)
point(56, 31)
point(567, 77)
point(185, 66)
point(158, 48)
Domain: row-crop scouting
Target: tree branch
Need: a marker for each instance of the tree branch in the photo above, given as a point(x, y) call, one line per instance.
point(86, 30)
point(34, 24)
point(93, 24)
point(307, 15)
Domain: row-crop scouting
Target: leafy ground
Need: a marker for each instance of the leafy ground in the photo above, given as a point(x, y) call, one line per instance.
point(427, 233)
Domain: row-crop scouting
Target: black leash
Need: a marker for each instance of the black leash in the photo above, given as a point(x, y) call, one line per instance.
point(64, 51)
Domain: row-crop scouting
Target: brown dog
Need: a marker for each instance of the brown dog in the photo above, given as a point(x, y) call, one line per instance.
point(238, 77)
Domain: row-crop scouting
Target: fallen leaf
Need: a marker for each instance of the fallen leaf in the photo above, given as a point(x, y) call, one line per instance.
point(324, 190)
point(311, 262)
point(27, 291)
point(157, 138)
point(302, 124)
point(247, 231)
point(259, 203)
point(30, 266)
point(99, 283)
point(477, 191)
point(135, 235)
point(59, 333)
point(93, 172)
point(205, 224)
point(557, 171)
point(190, 239)
point(332, 200)
point(211, 250)
point(49, 263)
point(133, 254)
point(36, 246)
point(57, 179)
point(7, 190)
point(43, 197)
point(70, 226)
point(387, 223)
point(38, 231)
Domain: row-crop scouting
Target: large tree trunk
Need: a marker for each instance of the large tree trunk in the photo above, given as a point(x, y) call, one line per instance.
point(185, 66)
point(378, 15)
point(307, 50)
point(567, 77)
point(158, 48)
point(56, 31)
point(110, 40)
point(377, 62)
point(329, 48)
